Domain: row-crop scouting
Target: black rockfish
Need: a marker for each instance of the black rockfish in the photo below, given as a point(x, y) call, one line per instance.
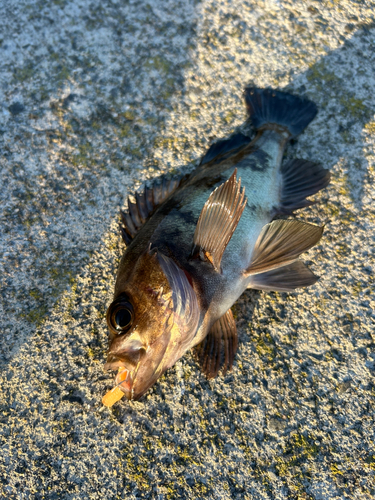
point(195, 244)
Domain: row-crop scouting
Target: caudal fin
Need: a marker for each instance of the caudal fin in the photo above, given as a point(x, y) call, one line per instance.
point(274, 107)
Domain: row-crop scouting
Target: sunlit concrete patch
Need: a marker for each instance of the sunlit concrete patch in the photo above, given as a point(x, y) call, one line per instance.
point(96, 99)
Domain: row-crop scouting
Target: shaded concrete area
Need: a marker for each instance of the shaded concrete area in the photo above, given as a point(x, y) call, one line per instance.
point(94, 101)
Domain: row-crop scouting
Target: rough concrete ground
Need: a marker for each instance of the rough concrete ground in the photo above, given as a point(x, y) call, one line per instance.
point(98, 97)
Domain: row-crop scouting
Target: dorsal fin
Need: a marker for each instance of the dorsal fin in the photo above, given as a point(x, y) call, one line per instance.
point(146, 202)
point(221, 148)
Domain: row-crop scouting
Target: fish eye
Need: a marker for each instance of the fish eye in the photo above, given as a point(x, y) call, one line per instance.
point(120, 315)
point(123, 318)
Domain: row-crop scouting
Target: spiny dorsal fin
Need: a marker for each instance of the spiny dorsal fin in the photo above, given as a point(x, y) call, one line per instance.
point(219, 347)
point(301, 179)
point(284, 279)
point(218, 220)
point(146, 202)
point(282, 242)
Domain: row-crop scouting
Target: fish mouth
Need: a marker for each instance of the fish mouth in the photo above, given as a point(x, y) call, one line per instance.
point(125, 377)
point(133, 378)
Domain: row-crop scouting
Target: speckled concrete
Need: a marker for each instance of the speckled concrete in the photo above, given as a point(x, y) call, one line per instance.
point(97, 98)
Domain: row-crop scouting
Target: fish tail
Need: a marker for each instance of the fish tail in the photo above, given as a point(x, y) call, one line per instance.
point(267, 106)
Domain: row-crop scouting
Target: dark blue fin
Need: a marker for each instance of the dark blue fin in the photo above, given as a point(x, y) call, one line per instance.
point(219, 347)
point(301, 179)
point(267, 106)
point(284, 279)
point(223, 147)
point(146, 202)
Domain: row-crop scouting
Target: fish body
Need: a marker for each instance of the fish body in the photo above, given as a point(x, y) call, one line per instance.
point(194, 245)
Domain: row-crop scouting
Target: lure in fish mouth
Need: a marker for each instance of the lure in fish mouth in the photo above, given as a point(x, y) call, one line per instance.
point(194, 244)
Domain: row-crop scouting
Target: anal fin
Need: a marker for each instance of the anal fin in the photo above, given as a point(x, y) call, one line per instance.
point(284, 279)
point(280, 243)
point(218, 220)
point(219, 347)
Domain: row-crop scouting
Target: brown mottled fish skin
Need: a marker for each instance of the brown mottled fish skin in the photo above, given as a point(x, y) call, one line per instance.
point(169, 297)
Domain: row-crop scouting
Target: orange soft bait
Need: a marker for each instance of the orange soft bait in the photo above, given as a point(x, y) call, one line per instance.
point(115, 394)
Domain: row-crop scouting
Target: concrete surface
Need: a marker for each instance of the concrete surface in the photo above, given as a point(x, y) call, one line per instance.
point(95, 99)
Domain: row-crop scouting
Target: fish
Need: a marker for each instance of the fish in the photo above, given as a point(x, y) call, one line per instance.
point(194, 244)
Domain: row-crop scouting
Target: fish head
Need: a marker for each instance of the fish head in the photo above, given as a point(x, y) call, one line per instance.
point(152, 322)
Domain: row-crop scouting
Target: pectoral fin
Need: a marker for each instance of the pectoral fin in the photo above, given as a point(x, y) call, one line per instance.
point(217, 350)
point(282, 242)
point(218, 220)
point(284, 279)
point(185, 304)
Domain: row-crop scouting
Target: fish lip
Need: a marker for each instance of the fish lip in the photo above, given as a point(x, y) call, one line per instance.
point(114, 365)
point(126, 385)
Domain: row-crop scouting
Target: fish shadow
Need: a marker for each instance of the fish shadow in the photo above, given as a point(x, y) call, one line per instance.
point(340, 83)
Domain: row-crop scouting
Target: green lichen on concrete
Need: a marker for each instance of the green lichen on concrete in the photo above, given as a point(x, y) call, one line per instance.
point(296, 463)
point(84, 155)
point(37, 314)
point(320, 75)
point(357, 108)
point(27, 72)
point(265, 347)
point(159, 63)
point(301, 446)
point(370, 461)
point(37, 309)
